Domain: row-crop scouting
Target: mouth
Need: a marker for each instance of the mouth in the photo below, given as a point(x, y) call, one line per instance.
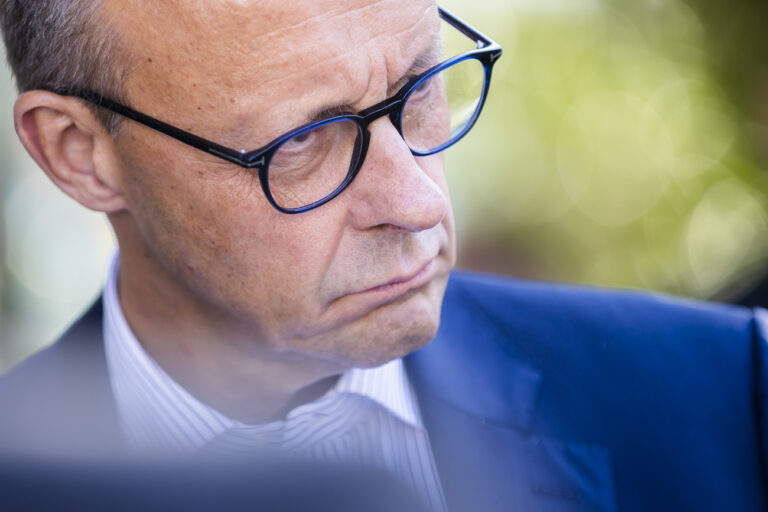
point(404, 284)
point(368, 299)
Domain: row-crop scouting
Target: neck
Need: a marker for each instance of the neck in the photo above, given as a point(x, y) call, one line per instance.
point(215, 356)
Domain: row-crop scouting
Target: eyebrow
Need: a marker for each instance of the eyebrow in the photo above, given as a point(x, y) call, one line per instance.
point(423, 61)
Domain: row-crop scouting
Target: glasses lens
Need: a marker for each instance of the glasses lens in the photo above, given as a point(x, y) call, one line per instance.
point(443, 107)
point(313, 164)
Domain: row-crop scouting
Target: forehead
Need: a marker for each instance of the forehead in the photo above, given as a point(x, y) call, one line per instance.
point(252, 53)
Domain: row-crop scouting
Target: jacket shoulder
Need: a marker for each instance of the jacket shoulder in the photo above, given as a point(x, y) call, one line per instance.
point(60, 399)
point(508, 299)
point(658, 348)
point(80, 344)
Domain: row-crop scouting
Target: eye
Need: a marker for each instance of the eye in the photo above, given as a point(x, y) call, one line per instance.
point(301, 141)
point(422, 90)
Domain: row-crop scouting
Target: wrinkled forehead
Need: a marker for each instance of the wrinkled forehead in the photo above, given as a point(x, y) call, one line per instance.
point(231, 45)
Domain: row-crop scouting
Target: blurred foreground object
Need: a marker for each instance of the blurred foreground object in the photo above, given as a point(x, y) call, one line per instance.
point(197, 485)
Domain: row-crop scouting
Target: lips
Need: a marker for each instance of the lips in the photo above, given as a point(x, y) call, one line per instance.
point(394, 288)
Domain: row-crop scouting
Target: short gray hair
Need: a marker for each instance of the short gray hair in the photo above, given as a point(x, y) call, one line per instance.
point(63, 44)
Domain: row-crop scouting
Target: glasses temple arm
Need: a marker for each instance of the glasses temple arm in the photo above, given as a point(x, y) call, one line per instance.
point(465, 28)
point(229, 154)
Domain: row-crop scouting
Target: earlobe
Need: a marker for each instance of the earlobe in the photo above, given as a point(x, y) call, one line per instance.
point(71, 147)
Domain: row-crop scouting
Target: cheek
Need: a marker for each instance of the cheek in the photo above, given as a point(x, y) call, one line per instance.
point(295, 254)
point(213, 231)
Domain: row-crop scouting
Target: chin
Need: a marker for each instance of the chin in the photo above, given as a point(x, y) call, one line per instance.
point(375, 337)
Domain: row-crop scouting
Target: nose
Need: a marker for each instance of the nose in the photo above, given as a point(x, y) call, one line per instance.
point(393, 188)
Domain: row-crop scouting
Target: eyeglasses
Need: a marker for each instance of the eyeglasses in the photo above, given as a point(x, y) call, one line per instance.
point(312, 164)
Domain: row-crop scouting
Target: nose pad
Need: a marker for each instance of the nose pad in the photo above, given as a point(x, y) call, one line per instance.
point(360, 150)
point(395, 117)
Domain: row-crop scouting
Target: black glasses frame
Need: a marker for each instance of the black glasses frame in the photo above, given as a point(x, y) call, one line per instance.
point(487, 52)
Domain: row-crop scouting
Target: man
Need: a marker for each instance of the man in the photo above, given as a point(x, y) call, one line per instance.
point(278, 296)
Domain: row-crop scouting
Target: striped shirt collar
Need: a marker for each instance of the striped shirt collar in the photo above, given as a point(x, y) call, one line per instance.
point(157, 412)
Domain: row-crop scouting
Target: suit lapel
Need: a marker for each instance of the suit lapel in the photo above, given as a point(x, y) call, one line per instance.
point(479, 403)
point(493, 467)
point(481, 461)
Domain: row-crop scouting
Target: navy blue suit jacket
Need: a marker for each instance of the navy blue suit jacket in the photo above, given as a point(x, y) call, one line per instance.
point(536, 398)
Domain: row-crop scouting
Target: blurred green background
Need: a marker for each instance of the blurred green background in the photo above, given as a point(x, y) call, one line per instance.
point(624, 143)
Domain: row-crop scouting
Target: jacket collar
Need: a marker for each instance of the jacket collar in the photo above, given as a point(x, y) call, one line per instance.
point(479, 397)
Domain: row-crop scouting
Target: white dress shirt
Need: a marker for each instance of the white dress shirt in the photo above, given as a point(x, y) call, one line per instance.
point(370, 416)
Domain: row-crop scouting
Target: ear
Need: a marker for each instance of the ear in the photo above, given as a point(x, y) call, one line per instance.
point(71, 146)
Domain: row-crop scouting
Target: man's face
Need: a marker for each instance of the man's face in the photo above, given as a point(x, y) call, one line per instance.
point(357, 281)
